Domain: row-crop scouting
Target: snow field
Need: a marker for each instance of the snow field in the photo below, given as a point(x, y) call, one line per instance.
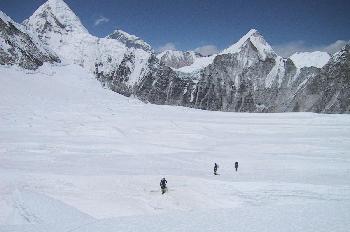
point(77, 157)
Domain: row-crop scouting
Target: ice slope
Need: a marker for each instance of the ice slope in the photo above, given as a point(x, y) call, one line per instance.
point(308, 59)
point(95, 154)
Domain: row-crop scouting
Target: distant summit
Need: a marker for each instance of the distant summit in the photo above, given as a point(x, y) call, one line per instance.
point(258, 42)
point(130, 41)
point(55, 16)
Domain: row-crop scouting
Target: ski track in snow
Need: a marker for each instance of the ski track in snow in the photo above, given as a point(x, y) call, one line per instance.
point(70, 147)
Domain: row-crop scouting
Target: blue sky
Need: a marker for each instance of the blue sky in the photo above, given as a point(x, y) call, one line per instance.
point(184, 24)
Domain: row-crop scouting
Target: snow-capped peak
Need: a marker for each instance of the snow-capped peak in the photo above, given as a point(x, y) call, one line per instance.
point(308, 59)
point(264, 49)
point(57, 15)
point(130, 41)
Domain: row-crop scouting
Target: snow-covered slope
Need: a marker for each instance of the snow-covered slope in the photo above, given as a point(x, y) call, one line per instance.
point(130, 41)
point(36, 208)
point(310, 59)
point(81, 150)
point(19, 47)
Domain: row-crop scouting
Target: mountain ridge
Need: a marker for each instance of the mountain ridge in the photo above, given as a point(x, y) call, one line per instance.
point(248, 76)
point(130, 41)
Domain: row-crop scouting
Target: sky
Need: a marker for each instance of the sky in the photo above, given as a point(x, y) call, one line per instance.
point(208, 26)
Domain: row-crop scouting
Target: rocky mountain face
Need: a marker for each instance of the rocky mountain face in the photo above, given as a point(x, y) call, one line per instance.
point(19, 47)
point(130, 41)
point(250, 77)
point(246, 77)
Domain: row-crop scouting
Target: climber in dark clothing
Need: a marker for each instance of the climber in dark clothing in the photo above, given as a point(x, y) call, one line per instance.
point(236, 166)
point(215, 168)
point(163, 187)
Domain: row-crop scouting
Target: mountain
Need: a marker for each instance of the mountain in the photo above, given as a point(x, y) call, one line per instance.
point(248, 76)
point(130, 41)
point(20, 47)
point(254, 38)
point(60, 29)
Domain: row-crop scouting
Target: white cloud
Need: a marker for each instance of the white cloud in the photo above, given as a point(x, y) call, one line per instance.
point(290, 48)
point(167, 46)
point(100, 20)
point(207, 50)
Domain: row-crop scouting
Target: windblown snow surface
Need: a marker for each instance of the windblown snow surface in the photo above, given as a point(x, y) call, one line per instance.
point(77, 157)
